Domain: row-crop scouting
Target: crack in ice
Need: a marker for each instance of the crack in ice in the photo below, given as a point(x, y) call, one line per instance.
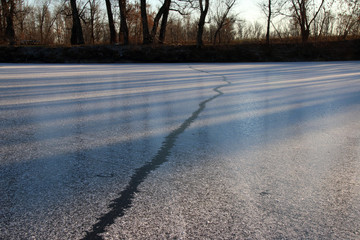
point(124, 201)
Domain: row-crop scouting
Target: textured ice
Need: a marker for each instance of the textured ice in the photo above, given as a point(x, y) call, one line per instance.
point(277, 155)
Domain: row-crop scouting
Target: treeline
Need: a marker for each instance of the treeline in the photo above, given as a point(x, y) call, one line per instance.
point(76, 22)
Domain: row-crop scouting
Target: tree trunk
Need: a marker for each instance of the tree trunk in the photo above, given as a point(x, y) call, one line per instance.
point(10, 32)
point(302, 17)
point(41, 27)
point(164, 13)
point(305, 33)
point(199, 41)
point(111, 22)
point(146, 34)
point(76, 31)
point(203, 12)
point(156, 21)
point(124, 31)
point(1, 23)
point(216, 34)
point(92, 21)
point(164, 21)
point(8, 12)
point(268, 24)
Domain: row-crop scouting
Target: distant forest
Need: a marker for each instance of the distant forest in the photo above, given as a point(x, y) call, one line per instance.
point(174, 22)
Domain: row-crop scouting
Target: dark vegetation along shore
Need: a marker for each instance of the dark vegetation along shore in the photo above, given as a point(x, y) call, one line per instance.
point(246, 52)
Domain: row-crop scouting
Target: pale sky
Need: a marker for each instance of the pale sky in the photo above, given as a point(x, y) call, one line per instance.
point(249, 10)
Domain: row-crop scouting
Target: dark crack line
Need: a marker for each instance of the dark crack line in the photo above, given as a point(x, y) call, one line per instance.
point(124, 201)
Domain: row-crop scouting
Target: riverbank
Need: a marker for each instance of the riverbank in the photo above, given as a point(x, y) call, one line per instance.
point(247, 52)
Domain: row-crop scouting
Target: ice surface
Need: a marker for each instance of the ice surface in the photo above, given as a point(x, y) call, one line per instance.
point(277, 155)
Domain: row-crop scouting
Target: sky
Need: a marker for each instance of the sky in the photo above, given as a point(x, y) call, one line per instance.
point(246, 9)
point(249, 10)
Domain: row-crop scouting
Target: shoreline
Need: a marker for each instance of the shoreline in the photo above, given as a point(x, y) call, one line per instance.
point(247, 52)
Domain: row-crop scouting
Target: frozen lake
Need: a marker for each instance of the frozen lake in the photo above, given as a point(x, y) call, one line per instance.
point(178, 151)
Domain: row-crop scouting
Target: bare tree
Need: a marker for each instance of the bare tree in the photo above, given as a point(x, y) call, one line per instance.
point(176, 33)
point(324, 23)
point(8, 8)
point(349, 17)
point(24, 20)
point(249, 30)
point(257, 30)
point(42, 12)
point(46, 19)
point(267, 7)
point(147, 39)
point(221, 16)
point(304, 12)
point(48, 23)
point(164, 21)
point(162, 13)
point(76, 31)
point(111, 22)
point(134, 23)
point(203, 12)
point(268, 23)
point(93, 18)
point(2, 23)
point(302, 16)
point(124, 30)
point(325, 26)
